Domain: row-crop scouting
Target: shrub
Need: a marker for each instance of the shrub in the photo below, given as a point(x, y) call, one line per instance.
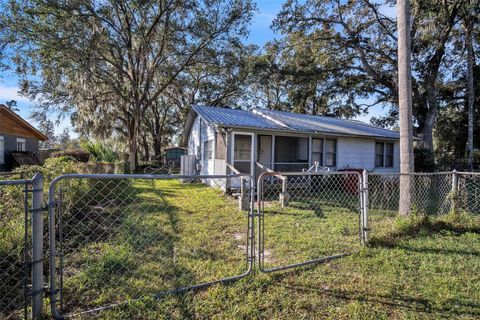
point(100, 152)
point(78, 155)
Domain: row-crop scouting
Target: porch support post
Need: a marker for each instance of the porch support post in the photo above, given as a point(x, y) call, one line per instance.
point(273, 153)
point(310, 152)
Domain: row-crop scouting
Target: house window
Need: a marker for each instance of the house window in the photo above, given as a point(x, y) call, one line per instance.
point(208, 149)
point(379, 154)
point(389, 155)
point(21, 144)
point(330, 153)
point(384, 154)
point(317, 151)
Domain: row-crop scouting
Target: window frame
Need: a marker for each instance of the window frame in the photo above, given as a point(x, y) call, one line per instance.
point(326, 153)
point(384, 154)
point(320, 152)
point(23, 143)
point(208, 149)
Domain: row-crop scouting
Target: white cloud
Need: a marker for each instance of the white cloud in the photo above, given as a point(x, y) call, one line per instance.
point(11, 93)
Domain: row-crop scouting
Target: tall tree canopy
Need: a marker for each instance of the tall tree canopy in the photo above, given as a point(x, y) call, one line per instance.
point(358, 40)
point(115, 59)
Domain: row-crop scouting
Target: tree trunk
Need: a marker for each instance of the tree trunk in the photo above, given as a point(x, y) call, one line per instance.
point(431, 116)
point(132, 142)
point(470, 90)
point(146, 148)
point(157, 146)
point(405, 105)
point(132, 151)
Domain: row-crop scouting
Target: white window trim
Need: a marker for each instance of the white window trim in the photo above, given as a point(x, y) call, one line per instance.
point(325, 152)
point(384, 163)
point(24, 143)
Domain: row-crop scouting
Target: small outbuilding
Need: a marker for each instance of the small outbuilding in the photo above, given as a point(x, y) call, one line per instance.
point(173, 154)
point(16, 136)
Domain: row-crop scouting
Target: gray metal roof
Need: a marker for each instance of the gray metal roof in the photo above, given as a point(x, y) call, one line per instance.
point(234, 117)
point(286, 121)
point(306, 122)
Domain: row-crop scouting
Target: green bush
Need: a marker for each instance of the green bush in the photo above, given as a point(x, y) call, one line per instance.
point(100, 152)
point(78, 155)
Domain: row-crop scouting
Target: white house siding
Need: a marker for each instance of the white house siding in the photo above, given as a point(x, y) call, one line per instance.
point(194, 139)
point(360, 153)
point(200, 133)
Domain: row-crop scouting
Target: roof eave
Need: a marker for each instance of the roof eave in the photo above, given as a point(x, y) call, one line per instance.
point(39, 135)
point(306, 132)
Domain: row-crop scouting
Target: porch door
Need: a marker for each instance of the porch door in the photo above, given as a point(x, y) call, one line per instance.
point(242, 152)
point(265, 151)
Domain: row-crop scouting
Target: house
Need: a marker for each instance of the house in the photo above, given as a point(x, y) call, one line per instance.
point(225, 140)
point(16, 134)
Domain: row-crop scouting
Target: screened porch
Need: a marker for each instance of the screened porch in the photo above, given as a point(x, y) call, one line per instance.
point(256, 153)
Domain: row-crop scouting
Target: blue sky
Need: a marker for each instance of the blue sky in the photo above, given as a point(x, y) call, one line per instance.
point(260, 33)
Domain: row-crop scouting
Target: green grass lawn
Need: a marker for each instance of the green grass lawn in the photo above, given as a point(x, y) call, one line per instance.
point(135, 240)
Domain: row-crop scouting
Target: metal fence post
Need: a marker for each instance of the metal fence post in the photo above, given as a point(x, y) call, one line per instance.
point(365, 206)
point(454, 190)
point(284, 198)
point(37, 246)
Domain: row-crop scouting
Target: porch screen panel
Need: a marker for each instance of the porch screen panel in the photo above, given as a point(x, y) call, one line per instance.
point(285, 149)
point(291, 153)
point(242, 153)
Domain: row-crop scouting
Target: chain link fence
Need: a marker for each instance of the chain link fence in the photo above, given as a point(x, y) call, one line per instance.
point(15, 246)
point(467, 195)
point(432, 194)
point(118, 238)
point(306, 218)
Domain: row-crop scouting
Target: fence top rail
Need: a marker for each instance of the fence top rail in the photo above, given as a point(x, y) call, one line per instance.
point(145, 176)
point(411, 174)
point(304, 173)
point(468, 173)
point(15, 182)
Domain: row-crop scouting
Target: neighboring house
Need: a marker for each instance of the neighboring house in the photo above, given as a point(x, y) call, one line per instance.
point(282, 141)
point(16, 134)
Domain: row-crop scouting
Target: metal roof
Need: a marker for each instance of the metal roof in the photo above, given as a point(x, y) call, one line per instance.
point(234, 117)
point(306, 122)
point(286, 121)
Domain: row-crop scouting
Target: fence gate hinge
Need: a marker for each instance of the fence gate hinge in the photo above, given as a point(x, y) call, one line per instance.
point(37, 210)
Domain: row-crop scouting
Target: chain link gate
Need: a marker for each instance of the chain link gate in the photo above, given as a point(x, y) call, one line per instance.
point(118, 238)
point(307, 218)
